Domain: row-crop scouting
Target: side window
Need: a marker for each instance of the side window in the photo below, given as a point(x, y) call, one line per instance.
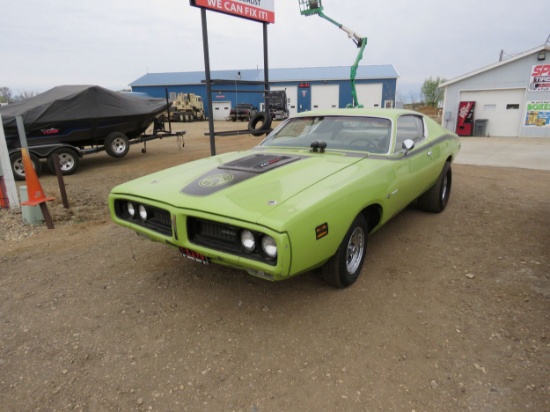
point(408, 127)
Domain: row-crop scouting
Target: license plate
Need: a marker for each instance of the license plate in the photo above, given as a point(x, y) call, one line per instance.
point(193, 255)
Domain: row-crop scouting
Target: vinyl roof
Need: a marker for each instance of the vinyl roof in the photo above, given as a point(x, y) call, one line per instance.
point(384, 71)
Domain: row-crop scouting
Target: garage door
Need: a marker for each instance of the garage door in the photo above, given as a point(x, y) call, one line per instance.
point(325, 96)
point(291, 97)
point(502, 108)
point(369, 95)
point(221, 110)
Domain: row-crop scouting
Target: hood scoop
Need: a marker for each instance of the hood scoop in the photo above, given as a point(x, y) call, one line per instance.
point(259, 163)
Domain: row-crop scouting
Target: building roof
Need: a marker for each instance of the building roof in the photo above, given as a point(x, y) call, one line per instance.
point(545, 47)
point(384, 71)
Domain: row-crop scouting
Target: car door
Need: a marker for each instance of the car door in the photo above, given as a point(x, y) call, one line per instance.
point(412, 169)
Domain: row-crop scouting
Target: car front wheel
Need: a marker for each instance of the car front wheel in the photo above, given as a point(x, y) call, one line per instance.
point(344, 267)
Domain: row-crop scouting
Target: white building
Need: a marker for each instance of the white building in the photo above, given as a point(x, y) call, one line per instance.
point(510, 98)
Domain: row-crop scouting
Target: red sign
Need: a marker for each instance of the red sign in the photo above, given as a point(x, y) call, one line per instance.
point(540, 78)
point(258, 10)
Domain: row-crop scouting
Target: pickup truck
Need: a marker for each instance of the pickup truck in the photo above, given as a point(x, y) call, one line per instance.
point(243, 111)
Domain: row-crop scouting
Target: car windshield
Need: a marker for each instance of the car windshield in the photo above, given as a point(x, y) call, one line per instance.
point(369, 134)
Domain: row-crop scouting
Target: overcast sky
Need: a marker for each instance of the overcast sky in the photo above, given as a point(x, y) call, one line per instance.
point(111, 43)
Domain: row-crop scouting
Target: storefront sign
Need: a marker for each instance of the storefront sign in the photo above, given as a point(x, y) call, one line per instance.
point(540, 78)
point(258, 10)
point(538, 114)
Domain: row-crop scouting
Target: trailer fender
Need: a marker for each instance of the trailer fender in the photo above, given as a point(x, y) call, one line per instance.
point(43, 151)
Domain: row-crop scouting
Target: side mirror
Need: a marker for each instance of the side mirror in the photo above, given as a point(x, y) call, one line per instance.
point(407, 145)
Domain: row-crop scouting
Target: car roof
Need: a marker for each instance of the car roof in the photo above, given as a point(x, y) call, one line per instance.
point(355, 111)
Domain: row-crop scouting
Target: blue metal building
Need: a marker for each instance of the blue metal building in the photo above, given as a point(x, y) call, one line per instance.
point(306, 88)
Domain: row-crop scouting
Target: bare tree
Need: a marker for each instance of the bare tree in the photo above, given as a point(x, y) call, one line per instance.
point(25, 95)
point(414, 99)
point(400, 97)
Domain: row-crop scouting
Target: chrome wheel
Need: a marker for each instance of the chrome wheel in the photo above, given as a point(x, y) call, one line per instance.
point(119, 145)
point(444, 189)
point(66, 161)
point(355, 250)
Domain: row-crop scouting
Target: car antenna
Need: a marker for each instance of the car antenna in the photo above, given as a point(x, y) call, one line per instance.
point(311, 7)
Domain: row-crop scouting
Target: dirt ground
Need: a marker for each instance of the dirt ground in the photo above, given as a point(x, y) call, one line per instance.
point(450, 313)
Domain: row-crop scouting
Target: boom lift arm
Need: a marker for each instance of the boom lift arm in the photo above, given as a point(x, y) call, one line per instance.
point(311, 7)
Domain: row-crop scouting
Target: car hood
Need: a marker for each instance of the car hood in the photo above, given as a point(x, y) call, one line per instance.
point(244, 185)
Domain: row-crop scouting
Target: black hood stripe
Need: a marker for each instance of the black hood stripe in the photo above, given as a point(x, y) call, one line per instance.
point(236, 171)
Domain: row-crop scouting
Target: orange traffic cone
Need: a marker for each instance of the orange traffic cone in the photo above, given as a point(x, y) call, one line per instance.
point(34, 189)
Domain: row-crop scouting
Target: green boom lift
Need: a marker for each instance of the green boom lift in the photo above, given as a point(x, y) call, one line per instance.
point(311, 7)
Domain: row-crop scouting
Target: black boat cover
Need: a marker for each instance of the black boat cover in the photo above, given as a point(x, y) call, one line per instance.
point(63, 103)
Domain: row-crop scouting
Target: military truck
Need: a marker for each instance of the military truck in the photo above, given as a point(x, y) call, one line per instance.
point(187, 107)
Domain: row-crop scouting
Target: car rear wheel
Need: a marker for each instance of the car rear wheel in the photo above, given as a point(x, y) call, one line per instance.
point(17, 167)
point(345, 266)
point(436, 198)
point(68, 161)
point(117, 145)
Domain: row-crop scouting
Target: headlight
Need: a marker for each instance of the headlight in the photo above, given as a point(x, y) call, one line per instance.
point(130, 209)
point(142, 212)
point(269, 246)
point(247, 240)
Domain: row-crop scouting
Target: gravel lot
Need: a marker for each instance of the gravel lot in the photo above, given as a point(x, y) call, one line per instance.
point(451, 312)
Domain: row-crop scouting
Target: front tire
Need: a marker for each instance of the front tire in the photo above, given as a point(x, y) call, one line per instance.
point(345, 266)
point(436, 198)
point(117, 145)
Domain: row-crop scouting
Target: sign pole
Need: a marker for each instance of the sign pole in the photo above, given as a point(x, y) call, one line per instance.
point(9, 181)
point(208, 82)
point(266, 69)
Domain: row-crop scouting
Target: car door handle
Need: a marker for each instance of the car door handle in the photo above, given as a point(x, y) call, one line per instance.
point(430, 153)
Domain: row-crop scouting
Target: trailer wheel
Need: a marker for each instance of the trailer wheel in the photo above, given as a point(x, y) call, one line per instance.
point(117, 144)
point(266, 120)
point(68, 161)
point(17, 167)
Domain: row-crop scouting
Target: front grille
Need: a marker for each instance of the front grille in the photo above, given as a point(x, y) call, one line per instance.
point(158, 220)
point(225, 238)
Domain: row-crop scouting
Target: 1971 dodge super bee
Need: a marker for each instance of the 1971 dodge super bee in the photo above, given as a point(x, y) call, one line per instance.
point(305, 198)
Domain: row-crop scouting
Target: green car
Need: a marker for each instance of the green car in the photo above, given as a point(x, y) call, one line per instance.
point(304, 199)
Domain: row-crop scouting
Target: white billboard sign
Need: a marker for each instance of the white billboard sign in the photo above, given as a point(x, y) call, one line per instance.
point(259, 10)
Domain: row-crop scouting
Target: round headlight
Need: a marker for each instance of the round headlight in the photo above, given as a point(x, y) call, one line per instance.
point(142, 212)
point(269, 246)
point(247, 240)
point(130, 209)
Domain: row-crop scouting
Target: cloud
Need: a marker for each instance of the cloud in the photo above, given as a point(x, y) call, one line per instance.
point(114, 42)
